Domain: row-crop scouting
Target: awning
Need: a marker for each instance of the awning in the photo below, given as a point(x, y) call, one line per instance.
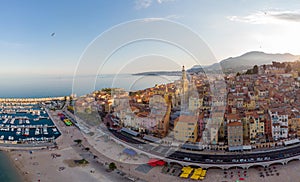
point(129, 131)
point(247, 147)
point(236, 148)
point(156, 162)
point(129, 152)
point(151, 139)
point(188, 146)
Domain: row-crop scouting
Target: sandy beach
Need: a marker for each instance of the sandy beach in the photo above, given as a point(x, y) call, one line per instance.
point(54, 165)
point(48, 165)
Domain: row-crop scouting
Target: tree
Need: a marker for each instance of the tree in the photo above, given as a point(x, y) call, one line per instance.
point(78, 141)
point(238, 74)
point(265, 67)
point(82, 161)
point(255, 69)
point(112, 166)
point(249, 72)
point(288, 68)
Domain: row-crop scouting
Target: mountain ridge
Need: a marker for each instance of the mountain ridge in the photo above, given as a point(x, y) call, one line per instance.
point(235, 64)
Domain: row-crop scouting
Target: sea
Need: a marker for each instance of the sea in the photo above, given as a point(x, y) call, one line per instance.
point(8, 172)
point(37, 86)
point(29, 86)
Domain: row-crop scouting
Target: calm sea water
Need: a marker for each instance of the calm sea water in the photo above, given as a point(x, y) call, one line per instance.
point(45, 86)
point(8, 173)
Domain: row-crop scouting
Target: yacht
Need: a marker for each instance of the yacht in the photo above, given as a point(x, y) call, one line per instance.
point(45, 131)
point(5, 121)
point(37, 131)
point(18, 133)
point(26, 133)
point(10, 138)
point(12, 121)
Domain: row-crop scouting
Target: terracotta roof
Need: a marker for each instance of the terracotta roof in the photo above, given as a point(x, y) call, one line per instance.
point(234, 124)
point(232, 116)
point(186, 118)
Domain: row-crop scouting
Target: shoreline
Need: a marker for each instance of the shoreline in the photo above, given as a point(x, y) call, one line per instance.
point(20, 173)
point(41, 165)
point(50, 165)
point(19, 168)
point(31, 99)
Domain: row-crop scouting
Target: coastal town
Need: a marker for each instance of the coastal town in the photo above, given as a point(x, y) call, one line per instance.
point(256, 109)
point(243, 124)
point(149, 91)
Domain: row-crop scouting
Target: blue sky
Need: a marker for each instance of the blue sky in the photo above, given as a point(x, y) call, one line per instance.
point(229, 28)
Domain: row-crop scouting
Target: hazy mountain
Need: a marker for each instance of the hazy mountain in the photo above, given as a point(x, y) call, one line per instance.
point(235, 64)
point(248, 60)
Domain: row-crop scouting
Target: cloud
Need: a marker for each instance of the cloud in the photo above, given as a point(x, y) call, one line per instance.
point(268, 17)
point(142, 4)
point(163, 1)
point(169, 17)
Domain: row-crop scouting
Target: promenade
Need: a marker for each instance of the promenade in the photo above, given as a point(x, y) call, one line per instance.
point(41, 165)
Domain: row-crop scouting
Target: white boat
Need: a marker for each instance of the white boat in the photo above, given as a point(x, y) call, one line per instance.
point(12, 121)
point(2, 137)
point(36, 119)
point(18, 133)
point(27, 121)
point(37, 131)
point(20, 121)
point(5, 121)
point(26, 133)
point(45, 131)
point(10, 138)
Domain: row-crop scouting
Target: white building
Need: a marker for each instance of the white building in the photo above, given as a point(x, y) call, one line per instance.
point(279, 123)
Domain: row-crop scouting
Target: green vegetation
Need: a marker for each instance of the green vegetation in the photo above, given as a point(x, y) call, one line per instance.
point(112, 166)
point(82, 161)
point(108, 90)
point(288, 68)
point(278, 64)
point(252, 71)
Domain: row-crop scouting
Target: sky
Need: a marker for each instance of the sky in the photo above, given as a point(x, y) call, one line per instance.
point(229, 28)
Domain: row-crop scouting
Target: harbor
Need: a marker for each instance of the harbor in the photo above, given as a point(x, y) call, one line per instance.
point(26, 122)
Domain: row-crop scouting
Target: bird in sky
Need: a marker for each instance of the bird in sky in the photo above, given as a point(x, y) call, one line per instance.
point(52, 35)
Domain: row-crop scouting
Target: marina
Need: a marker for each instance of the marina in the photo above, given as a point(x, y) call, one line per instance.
point(25, 122)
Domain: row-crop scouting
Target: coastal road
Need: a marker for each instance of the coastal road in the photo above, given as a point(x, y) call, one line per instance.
point(262, 156)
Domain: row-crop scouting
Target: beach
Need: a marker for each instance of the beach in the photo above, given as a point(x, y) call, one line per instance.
point(48, 165)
